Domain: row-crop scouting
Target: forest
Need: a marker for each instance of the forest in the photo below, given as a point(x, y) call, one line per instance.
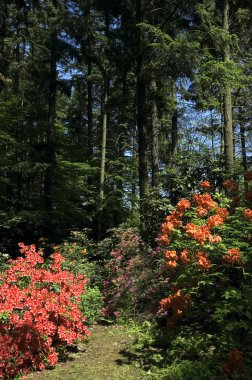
point(126, 182)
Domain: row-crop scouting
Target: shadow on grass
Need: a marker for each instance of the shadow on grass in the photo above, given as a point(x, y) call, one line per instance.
point(144, 358)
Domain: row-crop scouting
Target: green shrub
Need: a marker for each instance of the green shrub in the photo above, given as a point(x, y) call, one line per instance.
point(91, 304)
point(186, 370)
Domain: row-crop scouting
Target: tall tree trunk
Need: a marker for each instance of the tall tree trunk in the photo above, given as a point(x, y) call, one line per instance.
point(134, 169)
point(228, 117)
point(174, 126)
point(4, 63)
point(90, 148)
point(103, 154)
point(154, 136)
point(90, 93)
point(104, 139)
point(244, 151)
point(141, 117)
point(50, 142)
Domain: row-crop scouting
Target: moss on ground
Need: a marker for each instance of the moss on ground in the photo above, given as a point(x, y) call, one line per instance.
point(101, 358)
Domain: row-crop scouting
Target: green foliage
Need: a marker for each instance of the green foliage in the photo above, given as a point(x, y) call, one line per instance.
point(91, 304)
point(186, 370)
point(155, 208)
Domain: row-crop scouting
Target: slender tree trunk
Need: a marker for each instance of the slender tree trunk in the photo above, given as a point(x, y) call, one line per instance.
point(141, 116)
point(134, 170)
point(4, 63)
point(90, 93)
point(90, 112)
point(50, 143)
point(228, 117)
point(174, 126)
point(104, 139)
point(244, 151)
point(154, 136)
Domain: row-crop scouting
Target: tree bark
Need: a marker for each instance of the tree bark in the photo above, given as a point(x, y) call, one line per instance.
point(104, 139)
point(227, 104)
point(90, 94)
point(154, 136)
point(174, 126)
point(244, 152)
point(50, 138)
point(141, 116)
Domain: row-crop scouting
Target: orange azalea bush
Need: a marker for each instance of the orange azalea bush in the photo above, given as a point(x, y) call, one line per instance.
point(206, 247)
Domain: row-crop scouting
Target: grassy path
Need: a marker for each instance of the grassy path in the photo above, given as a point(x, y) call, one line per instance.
point(100, 359)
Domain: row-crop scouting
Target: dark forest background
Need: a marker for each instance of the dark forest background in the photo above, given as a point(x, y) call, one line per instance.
point(110, 111)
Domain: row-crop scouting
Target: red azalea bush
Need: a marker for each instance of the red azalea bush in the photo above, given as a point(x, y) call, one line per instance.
point(39, 312)
point(206, 246)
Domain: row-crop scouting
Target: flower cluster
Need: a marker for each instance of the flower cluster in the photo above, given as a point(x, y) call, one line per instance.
point(233, 256)
point(205, 185)
point(174, 306)
point(38, 312)
point(247, 213)
point(187, 232)
point(202, 261)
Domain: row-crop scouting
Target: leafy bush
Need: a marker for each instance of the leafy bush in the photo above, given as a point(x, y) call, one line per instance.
point(91, 304)
point(39, 312)
point(130, 279)
point(186, 370)
point(206, 247)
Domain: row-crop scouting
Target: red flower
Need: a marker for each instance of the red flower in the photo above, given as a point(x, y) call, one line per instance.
point(42, 313)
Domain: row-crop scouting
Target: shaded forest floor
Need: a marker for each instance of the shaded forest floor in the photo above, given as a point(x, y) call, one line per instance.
point(102, 357)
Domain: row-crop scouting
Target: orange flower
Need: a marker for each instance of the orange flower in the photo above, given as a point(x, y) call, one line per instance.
point(171, 255)
point(205, 185)
point(198, 233)
point(183, 205)
point(203, 262)
point(214, 238)
point(176, 302)
point(164, 240)
point(204, 201)
point(214, 221)
point(171, 264)
point(167, 227)
point(184, 257)
point(248, 176)
point(222, 212)
point(174, 218)
point(247, 213)
point(233, 256)
point(201, 211)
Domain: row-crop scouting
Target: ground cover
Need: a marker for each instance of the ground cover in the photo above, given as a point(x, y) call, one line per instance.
point(100, 358)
